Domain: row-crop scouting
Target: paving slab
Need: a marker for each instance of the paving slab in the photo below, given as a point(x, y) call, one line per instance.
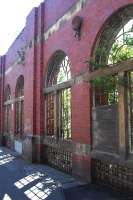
point(20, 180)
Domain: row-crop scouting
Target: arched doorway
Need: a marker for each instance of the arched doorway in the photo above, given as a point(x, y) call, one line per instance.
point(112, 101)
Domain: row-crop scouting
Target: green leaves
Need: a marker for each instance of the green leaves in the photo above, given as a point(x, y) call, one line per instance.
point(122, 49)
point(106, 82)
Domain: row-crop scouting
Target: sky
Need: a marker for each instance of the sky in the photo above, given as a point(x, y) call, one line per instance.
point(13, 15)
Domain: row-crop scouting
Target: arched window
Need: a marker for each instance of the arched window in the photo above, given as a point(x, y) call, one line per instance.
point(58, 97)
point(7, 110)
point(114, 46)
point(19, 106)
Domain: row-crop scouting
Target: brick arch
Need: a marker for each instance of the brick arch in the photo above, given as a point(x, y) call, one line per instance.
point(109, 31)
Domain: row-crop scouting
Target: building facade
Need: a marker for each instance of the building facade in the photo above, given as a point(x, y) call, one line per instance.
point(49, 110)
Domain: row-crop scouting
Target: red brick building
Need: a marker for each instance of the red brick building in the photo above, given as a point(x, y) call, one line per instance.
point(46, 106)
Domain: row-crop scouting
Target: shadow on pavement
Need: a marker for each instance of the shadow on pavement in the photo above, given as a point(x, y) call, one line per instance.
point(21, 180)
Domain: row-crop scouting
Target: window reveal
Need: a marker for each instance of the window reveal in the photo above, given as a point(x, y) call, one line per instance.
point(50, 112)
point(19, 106)
point(7, 111)
point(58, 103)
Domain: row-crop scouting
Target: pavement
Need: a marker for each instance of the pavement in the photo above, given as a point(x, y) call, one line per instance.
point(20, 180)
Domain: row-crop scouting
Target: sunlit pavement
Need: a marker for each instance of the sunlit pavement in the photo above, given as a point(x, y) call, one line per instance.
point(20, 180)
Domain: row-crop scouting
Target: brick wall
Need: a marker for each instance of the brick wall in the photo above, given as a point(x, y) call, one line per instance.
point(38, 54)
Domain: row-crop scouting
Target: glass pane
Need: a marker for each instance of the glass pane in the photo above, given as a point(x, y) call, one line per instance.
point(65, 113)
point(60, 71)
point(64, 71)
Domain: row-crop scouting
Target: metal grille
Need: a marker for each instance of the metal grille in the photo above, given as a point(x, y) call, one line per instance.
point(101, 97)
point(107, 93)
point(119, 177)
point(58, 114)
point(60, 159)
point(50, 114)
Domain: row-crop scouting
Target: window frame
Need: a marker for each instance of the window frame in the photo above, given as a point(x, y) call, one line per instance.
point(55, 89)
point(19, 107)
point(7, 110)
